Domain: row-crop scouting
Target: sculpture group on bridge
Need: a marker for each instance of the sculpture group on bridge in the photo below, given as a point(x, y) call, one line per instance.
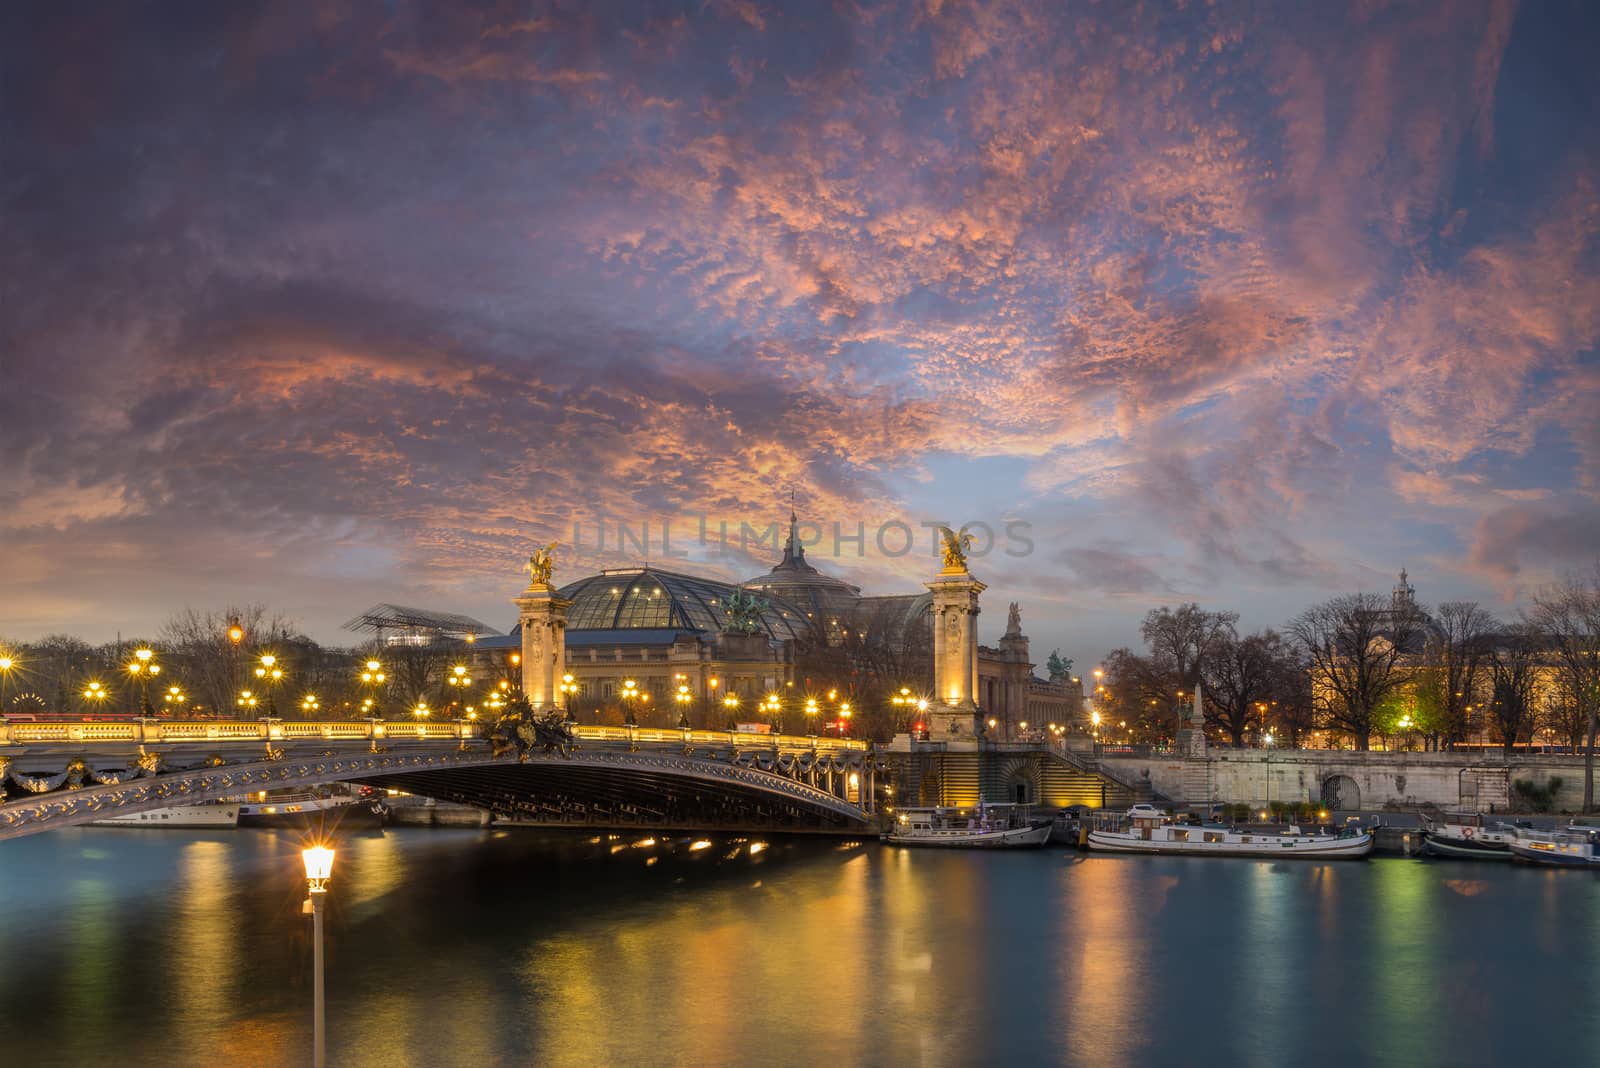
point(522, 730)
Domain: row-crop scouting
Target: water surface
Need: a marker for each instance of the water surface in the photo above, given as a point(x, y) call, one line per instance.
point(451, 947)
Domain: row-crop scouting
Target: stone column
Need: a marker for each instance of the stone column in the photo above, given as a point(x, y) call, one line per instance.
point(544, 644)
point(954, 710)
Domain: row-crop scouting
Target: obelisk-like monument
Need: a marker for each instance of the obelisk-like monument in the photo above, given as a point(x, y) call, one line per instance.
point(544, 633)
point(954, 710)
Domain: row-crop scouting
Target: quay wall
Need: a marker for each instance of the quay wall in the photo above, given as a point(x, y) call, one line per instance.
point(1347, 779)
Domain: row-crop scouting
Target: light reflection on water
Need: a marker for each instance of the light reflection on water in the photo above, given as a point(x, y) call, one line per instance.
point(487, 947)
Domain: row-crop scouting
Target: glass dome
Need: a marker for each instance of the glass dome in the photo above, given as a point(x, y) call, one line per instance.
point(647, 599)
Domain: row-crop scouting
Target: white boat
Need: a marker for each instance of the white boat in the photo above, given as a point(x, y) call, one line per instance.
point(1573, 846)
point(210, 816)
point(984, 826)
point(1467, 836)
point(1148, 830)
point(264, 809)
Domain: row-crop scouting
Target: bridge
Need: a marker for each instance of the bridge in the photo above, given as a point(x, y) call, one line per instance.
point(62, 774)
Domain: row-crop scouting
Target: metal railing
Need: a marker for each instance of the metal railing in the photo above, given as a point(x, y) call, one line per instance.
point(169, 732)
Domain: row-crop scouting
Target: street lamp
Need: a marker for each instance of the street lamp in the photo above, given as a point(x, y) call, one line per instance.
point(422, 711)
point(811, 715)
point(569, 690)
point(144, 668)
point(774, 708)
point(372, 677)
point(270, 673)
point(731, 703)
point(95, 692)
point(6, 664)
point(248, 700)
point(630, 691)
point(309, 704)
point(845, 712)
point(319, 869)
point(175, 697)
point(683, 697)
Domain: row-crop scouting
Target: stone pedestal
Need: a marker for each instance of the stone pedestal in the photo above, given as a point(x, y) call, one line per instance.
point(544, 644)
point(953, 712)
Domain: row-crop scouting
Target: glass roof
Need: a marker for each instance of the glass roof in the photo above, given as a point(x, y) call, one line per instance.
point(643, 598)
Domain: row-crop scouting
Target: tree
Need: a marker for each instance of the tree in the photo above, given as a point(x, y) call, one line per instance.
point(1568, 617)
point(1181, 640)
point(1241, 674)
point(1294, 713)
point(213, 666)
point(1354, 643)
point(1134, 691)
point(1454, 657)
point(1512, 663)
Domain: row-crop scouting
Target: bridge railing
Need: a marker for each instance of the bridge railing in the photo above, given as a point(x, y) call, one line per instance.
point(747, 739)
point(200, 732)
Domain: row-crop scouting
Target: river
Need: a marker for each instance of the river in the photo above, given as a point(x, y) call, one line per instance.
point(469, 947)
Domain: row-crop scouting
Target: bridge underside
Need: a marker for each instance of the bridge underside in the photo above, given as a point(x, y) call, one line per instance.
point(566, 795)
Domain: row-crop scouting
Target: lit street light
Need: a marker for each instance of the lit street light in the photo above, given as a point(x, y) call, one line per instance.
point(144, 668)
point(319, 869)
point(630, 692)
point(569, 690)
point(6, 664)
point(731, 703)
point(95, 692)
point(683, 698)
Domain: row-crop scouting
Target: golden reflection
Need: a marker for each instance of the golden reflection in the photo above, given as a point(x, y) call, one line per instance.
point(205, 944)
point(710, 950)
point(1103, 962)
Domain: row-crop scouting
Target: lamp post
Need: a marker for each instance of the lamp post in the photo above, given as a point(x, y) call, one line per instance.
point(845, 712)
point(143, 668)
point(248, 701)
point(630, 691)
point(270, 674)
point(683, 698)
point(319, 869)
point(811, 716)
point(174, 699)
point(6, 664)
point(372, 678)
point(731, 703)
point(569, 690)
point(774, 708)
point(95, 693)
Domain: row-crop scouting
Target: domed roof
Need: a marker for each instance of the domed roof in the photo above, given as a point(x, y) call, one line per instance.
point(823, 599)
point(644, 598)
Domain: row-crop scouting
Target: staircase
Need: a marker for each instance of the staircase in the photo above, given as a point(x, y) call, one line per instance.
point(1078, 779)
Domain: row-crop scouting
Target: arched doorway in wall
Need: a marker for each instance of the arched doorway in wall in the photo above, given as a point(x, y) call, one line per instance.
point(1340, 792)
point(1019, 779)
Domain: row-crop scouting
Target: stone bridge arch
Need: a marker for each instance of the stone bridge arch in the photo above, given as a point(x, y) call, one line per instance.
point(590, 787)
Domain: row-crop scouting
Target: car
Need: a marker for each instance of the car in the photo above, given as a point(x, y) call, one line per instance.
point(1145, 811)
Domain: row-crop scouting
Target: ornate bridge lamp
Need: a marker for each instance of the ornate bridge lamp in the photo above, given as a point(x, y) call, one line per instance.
point(568, 690)
point(811, 716)
point(144, 668)
point(683, 699)
point(95, 694)
point(459, 680)
point(270, 672)
point(731, 703)
point(774, 709)
point(6, 664)
point(630, 693)
point(175, 697)
point(319, 869)
point(845, 713)
point(373, 679)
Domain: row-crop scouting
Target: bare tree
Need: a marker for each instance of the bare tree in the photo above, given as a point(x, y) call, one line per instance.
point(213, 667)
point(1454, 658)
point(1512, 662)
point(1294, 712)
point(1354, 643)
point(1240, 675)
point(1568, 615)
point(1181, 640)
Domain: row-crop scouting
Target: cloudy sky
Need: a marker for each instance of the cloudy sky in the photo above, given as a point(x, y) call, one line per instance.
point(1248, 304)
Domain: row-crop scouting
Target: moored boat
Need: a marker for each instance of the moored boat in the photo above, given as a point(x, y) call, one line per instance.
point(1573, 846)
point(1150, 831)
point(213, 816)
point(1466, 836)
point(299, 808)
point(985, 826)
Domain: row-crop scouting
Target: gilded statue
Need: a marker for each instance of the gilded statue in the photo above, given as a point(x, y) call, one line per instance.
point(955, 548)
point(541, 565)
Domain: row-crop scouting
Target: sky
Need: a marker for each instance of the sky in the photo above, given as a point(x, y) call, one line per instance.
point(321, 305)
